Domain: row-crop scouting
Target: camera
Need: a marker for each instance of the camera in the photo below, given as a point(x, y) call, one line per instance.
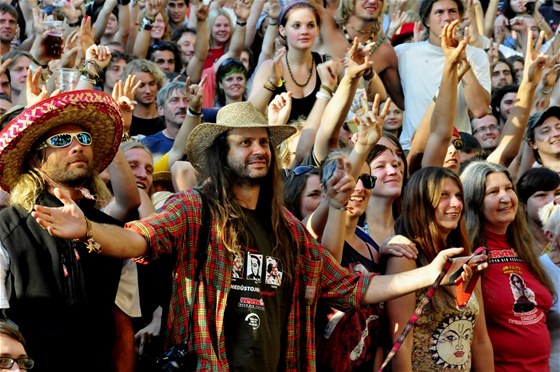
point(177, 358)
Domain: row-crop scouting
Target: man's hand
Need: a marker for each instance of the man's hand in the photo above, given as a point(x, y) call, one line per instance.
point(359, 60)
point(124, 94)
point(370, 122)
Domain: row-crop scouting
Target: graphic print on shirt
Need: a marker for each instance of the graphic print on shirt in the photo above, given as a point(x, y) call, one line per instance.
point(254, 267)
point(273, 271)
point(451, 342)
point(238, 265)
point(524, 297)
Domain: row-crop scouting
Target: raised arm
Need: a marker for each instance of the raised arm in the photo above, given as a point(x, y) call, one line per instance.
point(103, 18)
point(196, 64)
point(514, 129)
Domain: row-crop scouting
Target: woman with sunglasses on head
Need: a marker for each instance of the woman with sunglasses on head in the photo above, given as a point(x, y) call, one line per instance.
point(520, 339)
point(302, 190)
point(12, 349)
point(231, 79)
point(450, 334)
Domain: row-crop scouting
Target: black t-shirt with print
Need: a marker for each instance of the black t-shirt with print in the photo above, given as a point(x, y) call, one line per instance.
point(258, 303)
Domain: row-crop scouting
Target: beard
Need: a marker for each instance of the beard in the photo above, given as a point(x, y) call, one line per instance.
point(62, 172)
point(245, 176)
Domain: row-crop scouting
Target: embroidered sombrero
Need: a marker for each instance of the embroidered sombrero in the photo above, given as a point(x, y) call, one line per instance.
point(234, 115)
point(95, 111)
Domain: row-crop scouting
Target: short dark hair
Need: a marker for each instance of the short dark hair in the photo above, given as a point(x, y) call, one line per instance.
point(536, 179)
point(426, 8)
point(10, 331)
point(166, 45)
point(180, 31)
point(499, 94)
point(7, 8)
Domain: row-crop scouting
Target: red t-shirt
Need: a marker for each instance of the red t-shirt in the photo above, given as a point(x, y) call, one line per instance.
point(213, 55)
point(515, 303)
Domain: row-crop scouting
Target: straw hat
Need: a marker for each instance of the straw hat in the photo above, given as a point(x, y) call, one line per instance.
point(234, 115)
point(94, 111)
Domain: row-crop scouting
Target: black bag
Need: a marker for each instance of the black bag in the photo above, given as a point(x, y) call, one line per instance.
point(178, 357)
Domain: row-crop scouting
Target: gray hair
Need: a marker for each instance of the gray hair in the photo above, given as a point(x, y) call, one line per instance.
point(167, 90)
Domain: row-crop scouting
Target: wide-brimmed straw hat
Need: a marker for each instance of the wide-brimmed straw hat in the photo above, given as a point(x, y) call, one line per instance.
point(234, 115)
point(96, 112)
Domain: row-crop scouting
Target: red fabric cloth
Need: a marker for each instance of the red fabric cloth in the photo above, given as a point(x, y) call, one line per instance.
point(515, 315)
point(209, 88)
point(213, 55)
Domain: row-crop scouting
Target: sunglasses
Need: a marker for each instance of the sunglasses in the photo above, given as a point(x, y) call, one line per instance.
point(368, 181)
point(65, 139)
point(302, 169)
point(458, 143)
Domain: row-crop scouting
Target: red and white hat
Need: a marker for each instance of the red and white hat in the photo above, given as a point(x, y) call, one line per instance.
point(96, 112)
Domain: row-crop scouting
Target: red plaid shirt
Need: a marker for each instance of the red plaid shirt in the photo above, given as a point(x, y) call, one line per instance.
point(174, 229)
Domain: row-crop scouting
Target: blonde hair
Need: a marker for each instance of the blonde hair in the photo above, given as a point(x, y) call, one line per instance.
point(346, 9)
point(549, 215)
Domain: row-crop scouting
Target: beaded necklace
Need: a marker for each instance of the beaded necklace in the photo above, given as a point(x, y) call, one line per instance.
point(380, 39)
point(308, 78)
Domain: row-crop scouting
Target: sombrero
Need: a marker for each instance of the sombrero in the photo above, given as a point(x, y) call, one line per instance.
point(95, 111)
point(234, 115)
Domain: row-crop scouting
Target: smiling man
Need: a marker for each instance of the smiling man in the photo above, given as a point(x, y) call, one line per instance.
point(421, 67)
point(487, 131)
point(8, 26)
point(61, 297)
point(543, 135)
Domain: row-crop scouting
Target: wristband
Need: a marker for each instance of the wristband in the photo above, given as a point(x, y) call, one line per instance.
point(77, 23)
point(546, 91)
point(241, 23)
point(147, 24)
point(193, 113)
point(91, 245)
point(335, 206)
point(87, 79)
point(321, 95)
point(368, 75)
point(329, 90)
point(269, 86)
point(273, 22)
point(123, 2)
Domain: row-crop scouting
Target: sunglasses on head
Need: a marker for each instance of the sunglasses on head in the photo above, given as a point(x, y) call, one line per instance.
point(65, 139)
point(302, 169)
point(458, 143)
point(368, 181)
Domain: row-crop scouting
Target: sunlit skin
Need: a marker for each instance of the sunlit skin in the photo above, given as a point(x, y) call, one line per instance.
point(359, 199)
point(389, 176)
point(158, 29)
point(500, 203)
point(174, 109)
point(12, 349)
point(398, 152)
point(449, 208)
point(146, 93)
point(547, 137)
point(452, 157)
point(186, 46)
point(311, 195)
point(443, 12)
point(487, 131)
point(221, 32)
point(165, 60)
point(70, 165)
point(301, 29)
point(8, 25)
point(501, 75)
point(367, 10)
point(142, 166)
point(538, 200)
point(249, 154)
point(18, 73)
point(233, 86)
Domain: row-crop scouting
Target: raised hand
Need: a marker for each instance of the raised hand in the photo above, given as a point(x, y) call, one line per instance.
point(35, 93)
point(452, 48)
point(242, 9)
point(341, 184)
point(279, 109)
point(359, 60)
point(193, 92)
point(534, 61)
point(328, 73)
point(123, 94)
point(370, 122)
point(100, 55)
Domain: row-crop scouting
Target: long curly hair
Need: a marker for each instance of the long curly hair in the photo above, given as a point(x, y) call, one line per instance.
point(218, 181)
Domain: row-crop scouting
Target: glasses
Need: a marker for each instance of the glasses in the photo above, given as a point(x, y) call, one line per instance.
point(302, 169)
point(458, 143)
point(65, 139)
point(368, 181)
point(490, 128)
point(23, 363)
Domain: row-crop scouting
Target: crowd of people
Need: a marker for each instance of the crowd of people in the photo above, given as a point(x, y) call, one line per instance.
point(345, 185)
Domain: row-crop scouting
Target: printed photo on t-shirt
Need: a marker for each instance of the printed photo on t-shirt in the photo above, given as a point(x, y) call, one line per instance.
point(273, 272)
point(524, 298)
point(238, 265)
point(254, 266)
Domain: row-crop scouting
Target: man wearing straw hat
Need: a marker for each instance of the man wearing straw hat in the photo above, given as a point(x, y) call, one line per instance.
point(60, 296)
point(238, 322)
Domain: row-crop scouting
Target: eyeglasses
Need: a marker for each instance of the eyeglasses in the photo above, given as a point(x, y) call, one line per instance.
point(65, 139)
point(302, 169)
point(458, 143)
point(490, 128)
point(368, 181)
point(23, 363)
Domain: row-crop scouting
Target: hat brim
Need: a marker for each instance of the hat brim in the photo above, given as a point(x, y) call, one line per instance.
point(552, 111)
point(203, 135)
point(94, 111)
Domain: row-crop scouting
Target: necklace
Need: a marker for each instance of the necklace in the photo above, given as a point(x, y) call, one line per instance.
point(292, 76)
point(377, 44)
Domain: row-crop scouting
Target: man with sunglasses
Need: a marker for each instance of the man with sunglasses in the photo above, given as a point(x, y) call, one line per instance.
point(61, 297)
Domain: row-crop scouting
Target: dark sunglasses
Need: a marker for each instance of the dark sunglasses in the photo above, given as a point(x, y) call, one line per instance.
point(368, 181)
point(302, 169)
point(65, 139)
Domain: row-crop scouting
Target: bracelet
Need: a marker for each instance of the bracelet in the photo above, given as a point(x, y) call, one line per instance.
point(273, 22)
point(77, 23)
point(91, 245)
point(546, 91)
point(88, 80)
point(193, 113)
point(329, 90)
point(368, 75)
point(123, 2)
point(147, 24)
point(335, 206)
point(322, 95)
point(269, 86)
point(241, 23)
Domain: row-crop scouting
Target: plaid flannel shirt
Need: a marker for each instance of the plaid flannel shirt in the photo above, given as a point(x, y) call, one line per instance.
point(174, 229)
